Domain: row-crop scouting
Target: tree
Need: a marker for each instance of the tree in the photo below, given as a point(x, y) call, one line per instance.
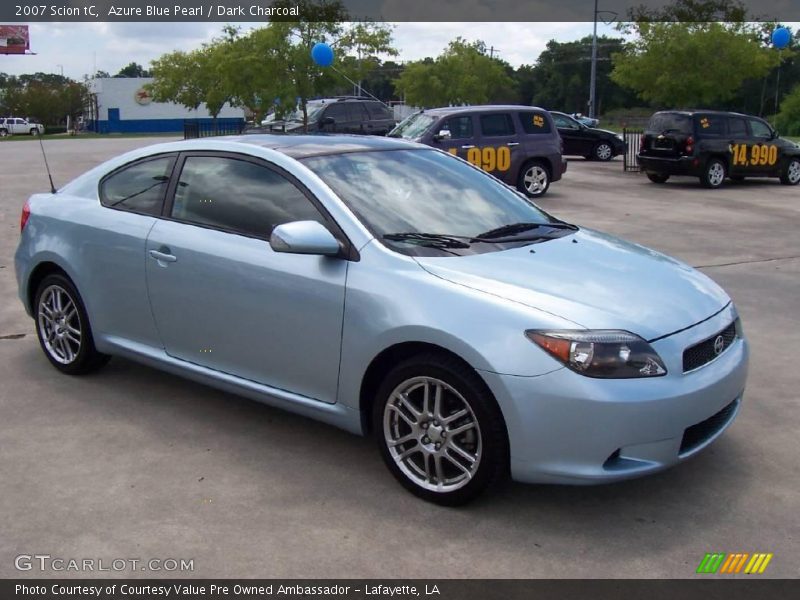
point(133, 70)
point(462, 74)
point(691, 63)
point(788, 120)
point(44, 97)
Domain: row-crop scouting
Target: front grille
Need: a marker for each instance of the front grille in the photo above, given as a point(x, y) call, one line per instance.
point(696, 435)
point(707, 350)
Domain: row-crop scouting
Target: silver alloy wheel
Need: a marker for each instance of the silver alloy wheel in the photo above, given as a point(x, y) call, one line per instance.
point(432, 434)
point(793, 172)
point(59, 324)
point(535, 179)
point(716, 174)
point(3, 133)
point(603, 152)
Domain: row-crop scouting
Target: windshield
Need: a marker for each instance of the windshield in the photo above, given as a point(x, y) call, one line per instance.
point(313, 113)
point(670, 123)
point(402, 194)
point(413, 127)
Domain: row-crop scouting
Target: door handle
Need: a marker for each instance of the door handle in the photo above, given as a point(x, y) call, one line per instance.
point(163, 257)
point(512, 144)
point(468, 146)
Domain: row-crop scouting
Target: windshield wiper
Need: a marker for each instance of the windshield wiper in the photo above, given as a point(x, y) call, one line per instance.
point(429, 239)
point(514, 228)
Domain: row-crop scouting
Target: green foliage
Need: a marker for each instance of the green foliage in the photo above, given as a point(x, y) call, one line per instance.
point(462, 74)
point(44, 97)
point(133, 70)
point(681, 64)
point(788, 119)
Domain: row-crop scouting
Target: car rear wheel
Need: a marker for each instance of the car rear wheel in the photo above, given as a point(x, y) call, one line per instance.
point(439, 430)
point(790, 175)
point(63, 329)
point(34, 131)
point(534, 179)
point(714, 173)
point(657, 177)
point(603, 151)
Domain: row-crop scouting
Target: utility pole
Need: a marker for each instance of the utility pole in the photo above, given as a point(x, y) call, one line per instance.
point(593, 76)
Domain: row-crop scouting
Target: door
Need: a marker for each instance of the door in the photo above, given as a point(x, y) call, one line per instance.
point(20, 126)
point(764, 152)
point(498, 150)
point(575, 137)
point(462, 136)
point(221, 297)
point(338, 112)
point(737, 139)
point(113, 121)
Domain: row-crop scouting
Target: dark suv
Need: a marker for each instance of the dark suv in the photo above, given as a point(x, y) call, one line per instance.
point(713, 145)
point(344, 114)
point(519, 145)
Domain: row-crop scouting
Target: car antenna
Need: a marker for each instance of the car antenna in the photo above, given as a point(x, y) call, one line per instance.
point(46, 166)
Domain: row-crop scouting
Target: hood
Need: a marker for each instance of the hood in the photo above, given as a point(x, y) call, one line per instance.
point(604, 131)
point(594, 280)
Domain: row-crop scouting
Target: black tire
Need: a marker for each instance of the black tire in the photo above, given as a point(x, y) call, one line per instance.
point(714, 173)
point(34, 131)
point(539, 174)
point(657, 177)
point(85, 358)
point(790, 173)
point(488, 441)
point(3, 132)
point(603, 152)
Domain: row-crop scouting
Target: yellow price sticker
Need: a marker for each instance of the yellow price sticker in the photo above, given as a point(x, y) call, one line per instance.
point(759, 155)
point(488, 158)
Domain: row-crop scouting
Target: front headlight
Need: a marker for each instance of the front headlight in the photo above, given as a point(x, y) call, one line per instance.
point(608, 354)
point(620, 138)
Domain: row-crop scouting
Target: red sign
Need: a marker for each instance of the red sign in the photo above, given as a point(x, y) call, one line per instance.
point(14, 39)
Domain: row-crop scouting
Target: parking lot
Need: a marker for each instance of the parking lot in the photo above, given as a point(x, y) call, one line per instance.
point(135, 463)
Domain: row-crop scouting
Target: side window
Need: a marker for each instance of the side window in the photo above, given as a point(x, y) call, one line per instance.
point(337, 111)
point(711, 125)
point(737, 127)
point(138, 188)
point(562, 122)
point(356, 111)
point(378, 111)
point(760, 129)
point(534, 122)
point(459, 127)
point(497, 124)
point(238, 196)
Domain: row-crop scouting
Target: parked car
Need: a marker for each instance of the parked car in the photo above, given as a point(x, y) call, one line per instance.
point(17, 126)
point(518, 144)
point(387, 287)
point(713, 145)
point(345, 114)
point(582, 140)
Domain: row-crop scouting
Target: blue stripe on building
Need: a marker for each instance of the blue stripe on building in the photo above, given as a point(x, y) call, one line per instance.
point(158, 125)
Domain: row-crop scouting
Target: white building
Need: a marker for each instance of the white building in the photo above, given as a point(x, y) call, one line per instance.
point(123, 105)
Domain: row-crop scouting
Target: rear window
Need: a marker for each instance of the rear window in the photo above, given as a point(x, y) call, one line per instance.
point(670, 123)
point(534, 122)
point(378, 111)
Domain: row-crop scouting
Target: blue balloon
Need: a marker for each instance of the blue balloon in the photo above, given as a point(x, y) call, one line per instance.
point(781, 37)
point(322, 54)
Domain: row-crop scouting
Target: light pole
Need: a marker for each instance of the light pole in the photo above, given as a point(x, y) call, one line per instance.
point(62, 69)
point(593, 76)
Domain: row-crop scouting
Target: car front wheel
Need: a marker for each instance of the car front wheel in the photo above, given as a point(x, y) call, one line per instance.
point(790, 175)
point(657, 177)
point(534, 179)
point(3, 132)
point(63, 329)
point(439, 430)
point(714, 174)
point(603, 151)
point(34, 131)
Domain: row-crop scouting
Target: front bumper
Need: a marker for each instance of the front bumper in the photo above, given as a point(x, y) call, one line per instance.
point(567, 428)
point(685, 165)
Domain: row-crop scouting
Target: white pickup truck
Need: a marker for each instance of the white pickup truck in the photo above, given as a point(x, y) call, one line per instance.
point(17, 126)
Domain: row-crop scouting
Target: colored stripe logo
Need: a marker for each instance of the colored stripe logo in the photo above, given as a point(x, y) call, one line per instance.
point(733, 563)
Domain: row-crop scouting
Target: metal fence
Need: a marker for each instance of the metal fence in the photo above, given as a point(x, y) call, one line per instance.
point(633, 138)
point(198, 129)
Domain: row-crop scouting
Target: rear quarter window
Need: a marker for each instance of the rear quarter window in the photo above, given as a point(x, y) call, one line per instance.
point(378, 111)
point(710, 124)
point(139, 187)
point(534, 122)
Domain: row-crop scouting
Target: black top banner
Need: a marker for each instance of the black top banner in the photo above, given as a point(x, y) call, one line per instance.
point(14, 11)
point(398, 589)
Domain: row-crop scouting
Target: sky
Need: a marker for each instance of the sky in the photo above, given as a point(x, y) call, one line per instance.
point(76, 49)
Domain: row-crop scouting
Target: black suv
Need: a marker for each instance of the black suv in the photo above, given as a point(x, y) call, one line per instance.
point(713, 145)
point(343, 114)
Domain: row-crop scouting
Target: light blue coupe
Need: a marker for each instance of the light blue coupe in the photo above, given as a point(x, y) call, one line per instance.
point(382, 286)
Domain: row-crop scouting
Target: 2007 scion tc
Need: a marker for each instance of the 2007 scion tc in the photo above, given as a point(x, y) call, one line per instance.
point(383, 286)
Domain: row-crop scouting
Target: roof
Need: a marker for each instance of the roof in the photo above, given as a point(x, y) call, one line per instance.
point(447, 110)
point(303, 146)
point(694, 111)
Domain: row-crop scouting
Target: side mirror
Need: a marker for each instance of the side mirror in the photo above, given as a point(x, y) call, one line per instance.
point(327, 121)
point(304, 237)
point(443, 134)
point(775, 135)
